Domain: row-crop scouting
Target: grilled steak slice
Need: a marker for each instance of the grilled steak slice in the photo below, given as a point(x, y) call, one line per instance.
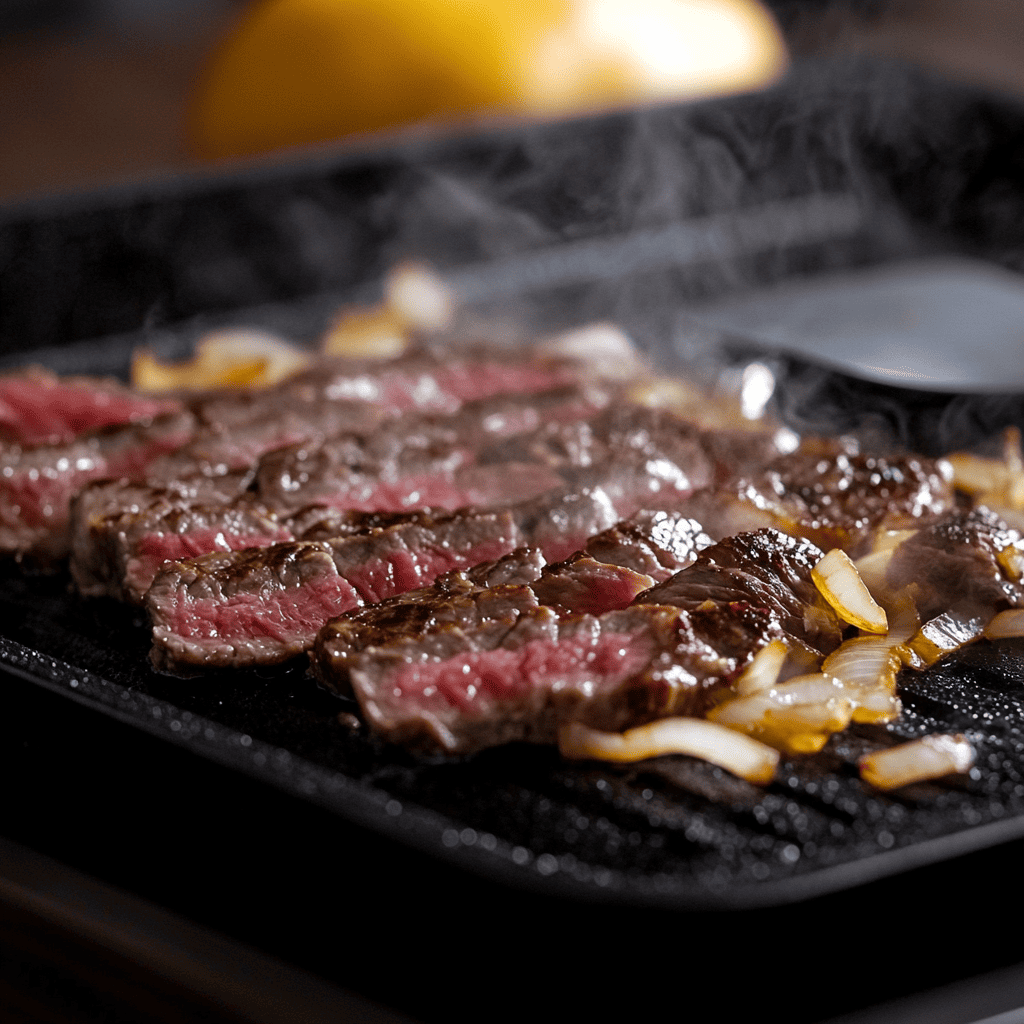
point(480, 659)
point(644, 433)
point(144, 533)
point(255, 607)
point(581, 585)
point(477, 669)
point(442, 382)
point(831, 497)
point(138, 544)
point(594, 499)
point(764, 569)
point(37, 484)
point(418, 460)
point(657, 544)
point(207, 613)
point(111, 521)
point(37, 407)
point(955, 565)
point(403, 557)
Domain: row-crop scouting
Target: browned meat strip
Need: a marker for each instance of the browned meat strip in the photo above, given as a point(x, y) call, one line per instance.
point(112, 520)
point(401, 465)
point(265, 605)
point(476, 667)
point(657, 544)
point(418, 460)
point(38, 407)
point(37, 484)
point(765, 569)
point(253, 607)
point(829, 496)
point(954, 565)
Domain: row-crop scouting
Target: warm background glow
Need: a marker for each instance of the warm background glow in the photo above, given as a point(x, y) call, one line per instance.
point(101, 91)
point(296, 72)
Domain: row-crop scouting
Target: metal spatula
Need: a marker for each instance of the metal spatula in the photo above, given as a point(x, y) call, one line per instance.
point(950, 324)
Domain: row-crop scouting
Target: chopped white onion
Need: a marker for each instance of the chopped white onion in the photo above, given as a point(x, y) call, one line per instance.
point(233, 357)
point(796, 716)
point(419, 297)
point(763, 670)
point(1006, 624)
point(889, 540)
point(837, 579)
point(865, 663)
point(928, 758)
point(944, 634)
point(873, 570)
point(745, 757)
point(605, 347)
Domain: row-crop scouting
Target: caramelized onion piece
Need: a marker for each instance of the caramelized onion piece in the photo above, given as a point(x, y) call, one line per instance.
point(1011, 561)
point(837, 579)
point(415, 300)
point(763, 670)
point(1006, 624)
point(738, 754)
point(944, 634)
point(607, 349)
point(997, 483)
point(797, 716)
point(370, 332)
point(928, 758)
point(232, 358)
point(419, 298)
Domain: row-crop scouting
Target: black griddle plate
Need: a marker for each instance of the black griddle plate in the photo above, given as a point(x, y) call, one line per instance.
point(672, 832)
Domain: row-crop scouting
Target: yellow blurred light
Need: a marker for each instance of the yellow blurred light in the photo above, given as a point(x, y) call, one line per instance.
point(297, 72)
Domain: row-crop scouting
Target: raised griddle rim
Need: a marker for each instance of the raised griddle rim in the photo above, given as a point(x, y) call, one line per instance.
point(439, 835)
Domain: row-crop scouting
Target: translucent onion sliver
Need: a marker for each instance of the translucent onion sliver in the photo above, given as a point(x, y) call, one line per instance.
point(749, 759)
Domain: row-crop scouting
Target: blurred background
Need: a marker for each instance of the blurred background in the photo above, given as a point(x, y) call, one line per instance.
point(102, 91)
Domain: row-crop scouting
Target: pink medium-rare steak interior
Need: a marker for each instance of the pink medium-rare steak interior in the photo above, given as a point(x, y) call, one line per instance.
point(583, 586)
point(38, 484)
point(430, 669)
point(305, 591)
point(242, 611)
point(393, 561)
point(458, 691)
point(38, 407)
point(588, 661)
point(192, 533)
point(433, 383)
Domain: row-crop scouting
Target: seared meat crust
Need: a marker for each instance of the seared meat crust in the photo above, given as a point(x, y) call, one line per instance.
point(955, 565)
point(765, 569)
point(833, 498)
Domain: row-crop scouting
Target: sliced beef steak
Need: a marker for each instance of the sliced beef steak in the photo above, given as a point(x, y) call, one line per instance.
point(764, 569)
point(418, 460)
point(955, 565)
point(138, 544)
point(376, 470)
point(39, 408)
point(38, 484)
point(442, 382)
point(206, 612)
point(480, 659)
point(594, 499)
point(114, 521)
point(657, 544)
point(481, 668)
point(829, 496)
point(248, 608)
